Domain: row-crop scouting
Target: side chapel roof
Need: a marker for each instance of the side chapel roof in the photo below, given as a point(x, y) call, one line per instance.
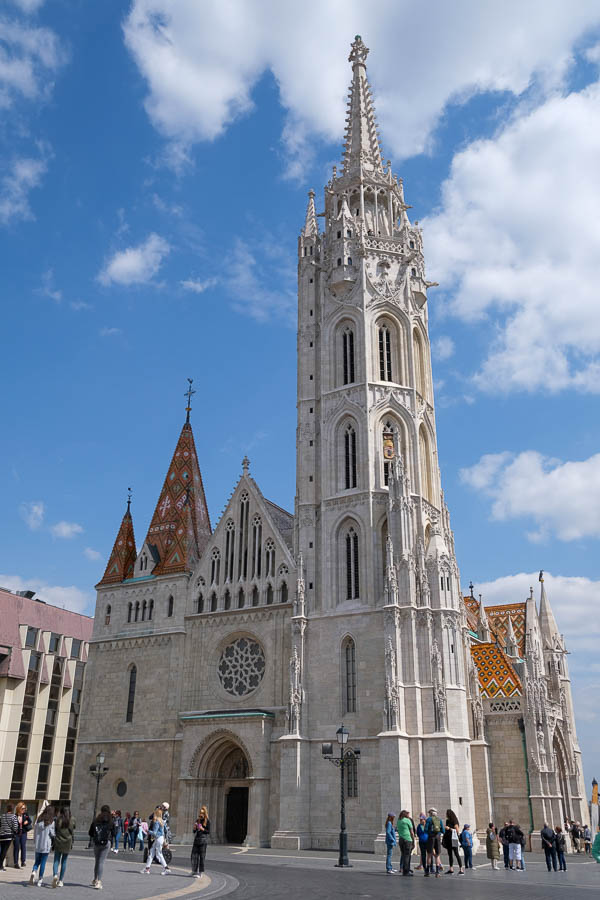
point(122, 558)
point(497, 677)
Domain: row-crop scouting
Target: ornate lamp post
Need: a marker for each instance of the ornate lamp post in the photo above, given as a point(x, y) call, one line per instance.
point(98, 771)
point(342, 735)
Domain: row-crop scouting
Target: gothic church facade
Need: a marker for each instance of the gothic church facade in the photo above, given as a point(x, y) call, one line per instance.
point(221, 660)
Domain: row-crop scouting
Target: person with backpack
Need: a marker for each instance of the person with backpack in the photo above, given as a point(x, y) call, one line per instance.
point(549, 846)
point(504, 843)
point(451, 843)
point(406, 839)
point(422, 836)
point(142, 833)
point(492, 845)
point(587, 839)
point(390, 843)
point(9, 827)
point(133, 828)
point(63, 844)
point(44, 832)
point(201, 833)
point(561, 848)
point(102, 832)
point(466, 842)
point(158, 833)
point(513, 835)
point(435, 831)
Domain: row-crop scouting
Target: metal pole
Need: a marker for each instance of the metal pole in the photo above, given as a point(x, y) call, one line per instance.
point(343, 854)
point(98, 777)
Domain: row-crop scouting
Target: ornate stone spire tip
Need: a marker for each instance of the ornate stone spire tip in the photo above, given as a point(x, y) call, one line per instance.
point(358, 52)
point(245, 465)
point(129, 494)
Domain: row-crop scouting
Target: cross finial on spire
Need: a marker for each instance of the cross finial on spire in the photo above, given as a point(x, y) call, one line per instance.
point(129, 492)
point(245, 465)
point(541, 578)
point(358, 53)
point(189, 394)
point(471, 585)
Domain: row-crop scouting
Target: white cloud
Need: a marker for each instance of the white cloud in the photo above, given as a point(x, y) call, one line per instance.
point(66, 530)
point(92, 554)
point(48, 288)
point(33, 513)
point(442, 348)
point(517, 236)
point(202, 60)
point(78, 305)
point(136, 265)
point(28, 6)
point(29, 57)
point(562, 498)
point(197, 286)
point(23, 176)
point(70, 597)
point(110, 332)
point(252, 269)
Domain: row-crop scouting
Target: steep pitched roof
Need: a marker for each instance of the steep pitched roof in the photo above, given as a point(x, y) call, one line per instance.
point(179, 533)
point(472, 607)
point(497, 676)
point(498, 620)
point(122, 559)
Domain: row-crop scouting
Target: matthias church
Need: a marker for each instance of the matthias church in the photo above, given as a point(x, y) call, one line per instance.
point(223, 658)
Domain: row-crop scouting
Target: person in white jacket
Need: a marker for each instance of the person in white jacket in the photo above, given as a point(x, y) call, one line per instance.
point(43, 833)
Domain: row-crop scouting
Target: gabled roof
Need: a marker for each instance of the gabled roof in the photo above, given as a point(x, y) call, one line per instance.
point(283, 520)
point(179, 536)
point(497, 677)
point(122, 559)
point(498, 621)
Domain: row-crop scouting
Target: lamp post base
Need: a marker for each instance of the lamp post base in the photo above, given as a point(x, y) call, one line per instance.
point(343, 862)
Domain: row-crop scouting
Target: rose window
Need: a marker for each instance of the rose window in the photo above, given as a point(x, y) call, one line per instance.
point(241, 667)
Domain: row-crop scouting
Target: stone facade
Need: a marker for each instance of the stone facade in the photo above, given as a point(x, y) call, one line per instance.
point(231, 656)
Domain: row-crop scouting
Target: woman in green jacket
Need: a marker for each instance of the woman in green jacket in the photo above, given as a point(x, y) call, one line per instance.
point(596, 848)
point(63, 844)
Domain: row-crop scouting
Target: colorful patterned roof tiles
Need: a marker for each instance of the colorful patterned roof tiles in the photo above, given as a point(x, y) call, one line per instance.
point(472, 607)
point(497, 677)
point(122, 559)
point(498, 620)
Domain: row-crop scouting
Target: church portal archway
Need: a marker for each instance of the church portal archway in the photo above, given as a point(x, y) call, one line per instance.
point(224, 785)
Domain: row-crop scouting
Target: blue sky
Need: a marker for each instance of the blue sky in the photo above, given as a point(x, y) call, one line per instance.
point(154, 166)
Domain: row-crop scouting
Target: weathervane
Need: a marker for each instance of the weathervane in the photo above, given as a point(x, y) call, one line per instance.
point(129, 492)
point(189, 394)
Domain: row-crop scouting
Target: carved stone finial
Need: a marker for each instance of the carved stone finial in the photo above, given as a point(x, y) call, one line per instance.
point(245, 465)
point(358, 53)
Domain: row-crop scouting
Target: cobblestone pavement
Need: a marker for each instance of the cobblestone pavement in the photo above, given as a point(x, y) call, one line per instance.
point(252, 874)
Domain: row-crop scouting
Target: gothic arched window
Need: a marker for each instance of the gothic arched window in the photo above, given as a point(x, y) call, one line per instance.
point(137, 610)
point(229, 547)
point(425, 461)
point(200, 603)
point(227, 600)
point(419, 364)
point(269, 594)
point(213, 602)
point(150, 609)
point(256, 546)
point(144, 606)
point(283, 592)
point(129, 611)
point(352, 565)
point(385, 353)
point(170, 604)
point(215, 566)
point(349, 457)
point(351, 777)
point(241, 598)
point(254, 596)
point(107, 615)
point(269, 558)
point(348, 355)
point(131, 694)
point(243, 546)
point(348, 676)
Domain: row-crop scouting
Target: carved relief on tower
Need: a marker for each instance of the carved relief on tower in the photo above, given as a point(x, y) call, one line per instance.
point(383, 396)
point(351, 400)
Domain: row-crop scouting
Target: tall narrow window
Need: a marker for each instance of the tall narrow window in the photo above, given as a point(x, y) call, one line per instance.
point(352, 569)
point(385, 353)
point(269, 558)
point(283, 592)
point(144, 606)
point(129, 611)
point(241, 598)
point(348, 676)
point(150, 609)
point(200, 603)
point(269, 594)
point(215, 566)
point(107, 615)
point(227, 601)
point(256, 546)
point(349, 457)
point(419, 363)
point(351, 777)
point(213, 602)
point(254, 596)
point(425, 460)
point(243, 546)
point(229, 548)
point(170, 604)
point(131, 694)
point(137, 610)
point(348, 355)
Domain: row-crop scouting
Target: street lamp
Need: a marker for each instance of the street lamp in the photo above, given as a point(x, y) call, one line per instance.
point(345, 757)
point(98, 771)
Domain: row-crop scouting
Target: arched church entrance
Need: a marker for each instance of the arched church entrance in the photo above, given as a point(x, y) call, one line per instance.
point(224, 783)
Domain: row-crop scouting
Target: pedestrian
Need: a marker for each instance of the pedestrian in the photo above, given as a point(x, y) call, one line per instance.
point(587, 839)
point(596, 847)
point(142, 833)
point(492, 845)
point(523, 841)
point(406, 840)
point(102, 832)
point(201, 832)
point(20, 839)
point(466, 842)
point(126, 819)
point(133, 828)
point(504, 842)
point(158, 833)
point(390, 843)
point(560, 842)
point(422, 836)
point(43, 833)
point(118, 823)
point(435, 831)
point(549, 847)
point(450, 842)
point(514, 835)
point(63, 844)
point(576, 836)
point(9, 828)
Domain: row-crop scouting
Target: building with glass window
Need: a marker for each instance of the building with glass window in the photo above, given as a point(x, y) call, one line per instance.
point(222, 661)
point(43, 653)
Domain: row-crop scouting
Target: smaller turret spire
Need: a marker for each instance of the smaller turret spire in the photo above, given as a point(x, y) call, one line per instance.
point(511, 643)
point(362, 141)
point(122, 559)
point(548, 625)
point(311, 229)
point(483, 631)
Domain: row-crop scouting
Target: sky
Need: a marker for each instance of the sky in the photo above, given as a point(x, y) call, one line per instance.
point(155, 160)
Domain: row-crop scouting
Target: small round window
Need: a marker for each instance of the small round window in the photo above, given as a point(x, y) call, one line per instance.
point(121, 788)
point(241, 667)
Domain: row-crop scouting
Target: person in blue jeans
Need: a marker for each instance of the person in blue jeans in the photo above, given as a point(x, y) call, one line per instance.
point(118, 823)
point(423, 838)
point(44, 831)
point(466, 842)
point(561, 848)
point(390, 843)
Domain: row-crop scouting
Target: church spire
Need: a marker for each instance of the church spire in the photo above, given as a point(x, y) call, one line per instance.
point(548, 625)
point(511, 643)
point(311, 229)
point(361, 146)
point(180, 534)
point(122, 559)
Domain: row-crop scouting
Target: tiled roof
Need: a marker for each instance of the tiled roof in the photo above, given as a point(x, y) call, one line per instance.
point(283, 520)
point(122, 559)
point(498, 620)
point(472, 607)
point(497, 677)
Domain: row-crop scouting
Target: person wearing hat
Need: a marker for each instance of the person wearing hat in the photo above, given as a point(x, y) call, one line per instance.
point(390, 843)
point(435, 829)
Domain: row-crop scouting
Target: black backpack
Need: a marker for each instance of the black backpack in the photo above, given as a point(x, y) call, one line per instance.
point(101, 833)
point(509, 835)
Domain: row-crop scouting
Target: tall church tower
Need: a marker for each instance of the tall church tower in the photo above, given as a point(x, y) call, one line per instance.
point(382, 623)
